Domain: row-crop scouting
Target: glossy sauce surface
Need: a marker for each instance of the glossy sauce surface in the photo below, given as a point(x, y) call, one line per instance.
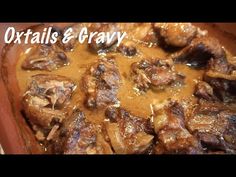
point(139, 104)
point(15, 134)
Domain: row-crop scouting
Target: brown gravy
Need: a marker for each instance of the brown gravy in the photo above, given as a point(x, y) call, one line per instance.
point(138, 104)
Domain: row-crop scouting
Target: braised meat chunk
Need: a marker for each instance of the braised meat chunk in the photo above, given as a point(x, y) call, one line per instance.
point(205, 91)
point(220, 65)
point(128, 133)
point(214, 124)
point(101, 83)
point(219, 78)
point(79, 136)
point(127, 48)
point(224, 86)
point(157, 73)
point(200, 51)
point(220, 75)
point(176, 34)
point(46, 97)
point(173, 136)
point(45, 57)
